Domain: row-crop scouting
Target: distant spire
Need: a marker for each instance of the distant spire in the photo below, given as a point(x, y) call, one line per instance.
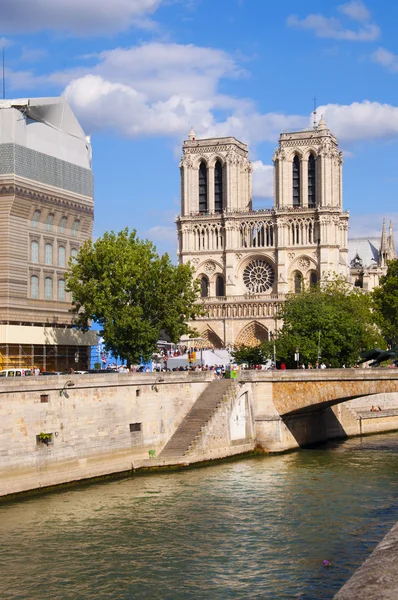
point(383, 254)
point(322, 125)
point(192, 135)
point(314, 112)
point(391, 243)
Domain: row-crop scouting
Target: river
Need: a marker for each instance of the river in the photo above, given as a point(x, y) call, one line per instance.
point(251, 529)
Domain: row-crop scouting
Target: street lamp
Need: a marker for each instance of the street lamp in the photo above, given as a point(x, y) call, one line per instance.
point(67, 384)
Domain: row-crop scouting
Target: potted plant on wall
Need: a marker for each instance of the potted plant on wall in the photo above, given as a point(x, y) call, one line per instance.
point(45, 438)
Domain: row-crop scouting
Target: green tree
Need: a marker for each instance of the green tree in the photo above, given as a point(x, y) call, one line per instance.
point(336, 317)
point(121, 283)
point(385, 303)
point(251, 356)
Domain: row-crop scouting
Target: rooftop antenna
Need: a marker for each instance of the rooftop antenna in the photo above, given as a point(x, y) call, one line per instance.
point(314, 112)
point(4, 76)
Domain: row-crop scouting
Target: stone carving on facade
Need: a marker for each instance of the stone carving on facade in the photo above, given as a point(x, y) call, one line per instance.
point(238, 256)
point(186, 162)
point(210, 267)
point(291, 255)
point(195, 261)
point(304, 263)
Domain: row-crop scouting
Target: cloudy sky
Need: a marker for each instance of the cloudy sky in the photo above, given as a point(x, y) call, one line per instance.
point(139, 73)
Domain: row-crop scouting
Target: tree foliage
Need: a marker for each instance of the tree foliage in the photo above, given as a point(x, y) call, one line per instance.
point(335, 316)
point(133, 293)
point(251, 356)
point(385, 303)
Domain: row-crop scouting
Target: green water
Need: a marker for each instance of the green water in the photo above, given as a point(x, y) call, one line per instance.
point(254, 529)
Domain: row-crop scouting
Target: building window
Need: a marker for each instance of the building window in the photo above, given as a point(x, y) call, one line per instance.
point(75, 228)
point(49, 254)
point(202, 188)
point(204, 287)
point(62, 224)
point(35, 218)
point(73, 255)
point(296, 181)
point(313, 279)
point(34, 251)
point(298, 282)
point(44, 398)
point(49, 222)
point(61, 290)
point(48, 288)
point(220, 286)
point(218, 192)
point(311, 181)
point(61, 256)
point(34, 286)
point(135, 427)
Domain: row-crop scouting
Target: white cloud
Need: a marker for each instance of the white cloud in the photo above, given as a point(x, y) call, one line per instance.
point(387, 59)
point(332, 27)
point(355, 9)
point(81, 17)
point(361, 120)
point(370, 225)
point(263, 180)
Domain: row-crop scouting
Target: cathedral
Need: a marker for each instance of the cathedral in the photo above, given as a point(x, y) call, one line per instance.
point(248, 260)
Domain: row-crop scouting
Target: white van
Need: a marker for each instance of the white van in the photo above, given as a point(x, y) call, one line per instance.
point(16, 373)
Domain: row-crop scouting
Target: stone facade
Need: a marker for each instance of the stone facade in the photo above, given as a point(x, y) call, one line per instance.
point(248, 260)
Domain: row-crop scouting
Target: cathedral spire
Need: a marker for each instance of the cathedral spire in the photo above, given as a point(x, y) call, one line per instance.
point(192, 135)
point(383, 254)
point(391, 243)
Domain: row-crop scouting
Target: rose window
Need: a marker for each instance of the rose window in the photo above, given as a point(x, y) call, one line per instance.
point(258, 276)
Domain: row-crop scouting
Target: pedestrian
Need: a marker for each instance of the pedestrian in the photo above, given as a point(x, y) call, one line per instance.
point(283, 367)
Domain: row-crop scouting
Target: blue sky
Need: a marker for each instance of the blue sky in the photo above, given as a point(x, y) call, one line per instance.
point(139, 73)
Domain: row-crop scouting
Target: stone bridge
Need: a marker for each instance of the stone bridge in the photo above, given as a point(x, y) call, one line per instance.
point(294, 392)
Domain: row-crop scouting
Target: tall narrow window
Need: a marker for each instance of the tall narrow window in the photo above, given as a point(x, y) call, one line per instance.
point(49, 254)
point(202, 188)
point(61, 256)
point(75, 228)
point(298, 282)
point(204, 287)
point(61, 290)
point(73, 255)
point(34, 286)
point(49, 222)
point(34, 251)
point(220, 286)
point(48, 288)
point(62, 224)
point(296, 181)
point(218, 192)
point(313, 279)
point(35, 218)
point(311, 181)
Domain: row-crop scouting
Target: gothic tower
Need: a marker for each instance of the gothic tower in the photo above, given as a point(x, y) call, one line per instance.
point(248, 260)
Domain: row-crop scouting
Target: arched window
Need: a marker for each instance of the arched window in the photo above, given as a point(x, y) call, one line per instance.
point(313, 279)
point(34, 286)
point(75, 228)
point(202, 188)
point(311, 181)
point(49, 222)
point(35, 218)
point(61, 256)
point(48, 254)
point(34, 251)
point(220, 286)
point(62, 224)
point(204, 287)
point(296, 181)
point(73, 255)
point(298, 282)
point(48, 288)
point(61, 290)
point(218, 192)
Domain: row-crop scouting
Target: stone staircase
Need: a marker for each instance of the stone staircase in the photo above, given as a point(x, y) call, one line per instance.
point(201, 412)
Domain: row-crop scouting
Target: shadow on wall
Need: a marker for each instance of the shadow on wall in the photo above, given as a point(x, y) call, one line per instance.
point(313, 428)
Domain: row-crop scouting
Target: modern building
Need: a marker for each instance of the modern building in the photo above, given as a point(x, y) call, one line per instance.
point(248, 260)
point(46, 213)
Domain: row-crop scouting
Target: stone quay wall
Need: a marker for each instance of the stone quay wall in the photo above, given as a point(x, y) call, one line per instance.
point(58, 429)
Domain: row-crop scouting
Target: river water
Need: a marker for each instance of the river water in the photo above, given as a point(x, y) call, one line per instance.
point(255, 528)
